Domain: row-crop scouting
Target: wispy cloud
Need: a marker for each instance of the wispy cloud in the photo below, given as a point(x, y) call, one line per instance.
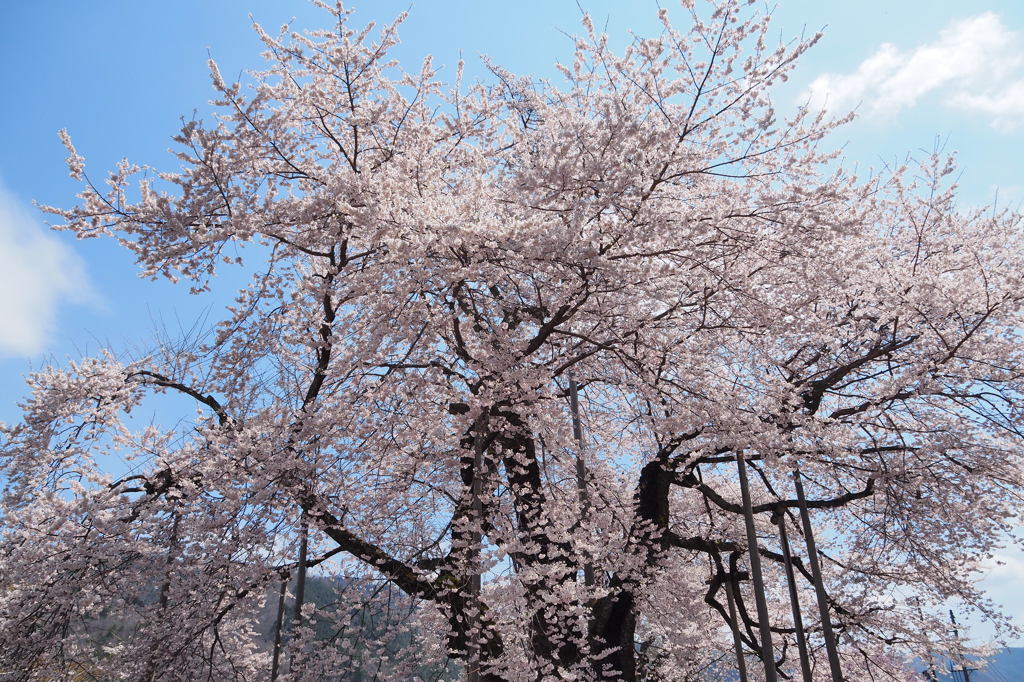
point(37, 273)
point(975, 65)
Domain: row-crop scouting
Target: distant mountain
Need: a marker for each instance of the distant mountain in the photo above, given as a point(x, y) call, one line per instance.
point(1005, 666)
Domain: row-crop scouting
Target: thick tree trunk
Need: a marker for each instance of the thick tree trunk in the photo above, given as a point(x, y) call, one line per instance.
point(554, 635)
point(474, 621)
point(152, 667)
point(613, 623)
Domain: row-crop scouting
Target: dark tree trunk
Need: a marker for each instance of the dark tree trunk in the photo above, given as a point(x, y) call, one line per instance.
point(613, 623)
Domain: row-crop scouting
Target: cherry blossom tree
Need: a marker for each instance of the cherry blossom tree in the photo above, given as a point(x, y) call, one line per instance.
point(502, 352)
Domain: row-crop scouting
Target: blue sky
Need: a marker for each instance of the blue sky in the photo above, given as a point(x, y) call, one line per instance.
point(118, 75)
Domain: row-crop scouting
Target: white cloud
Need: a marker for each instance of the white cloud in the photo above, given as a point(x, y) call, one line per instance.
point(1006, 107)
point(1005, 568)
point(37, 273)
point(976, 65)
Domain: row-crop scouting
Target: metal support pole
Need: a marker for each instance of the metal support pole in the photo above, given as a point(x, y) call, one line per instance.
point(741, 663)
point(779, 518)
point(819, 586)
point(767, 650)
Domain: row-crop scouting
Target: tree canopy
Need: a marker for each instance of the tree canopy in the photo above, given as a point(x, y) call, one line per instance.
point(504, 348)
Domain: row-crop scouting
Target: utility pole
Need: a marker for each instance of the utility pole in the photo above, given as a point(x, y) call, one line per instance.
point(300, 576)
point(930, 673)
point(278, 628)
point(300, 583)
point(963, 662)
point(581, 468)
